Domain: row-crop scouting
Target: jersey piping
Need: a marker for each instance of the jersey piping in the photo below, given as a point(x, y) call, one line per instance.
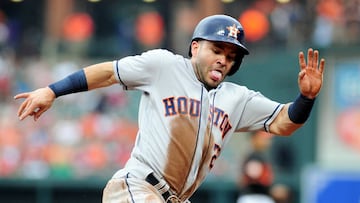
point(126, 181)
point(118, 74)
point(267, 120)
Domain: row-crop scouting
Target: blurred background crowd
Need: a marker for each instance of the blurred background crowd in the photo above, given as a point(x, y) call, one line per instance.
point(91, 135)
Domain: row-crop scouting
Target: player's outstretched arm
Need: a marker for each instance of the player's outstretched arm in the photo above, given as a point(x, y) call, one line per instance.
point(310, 81)
point(40, 100)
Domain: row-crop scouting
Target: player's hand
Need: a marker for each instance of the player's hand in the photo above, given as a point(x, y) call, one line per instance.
point(35, 103)
point(311, 73)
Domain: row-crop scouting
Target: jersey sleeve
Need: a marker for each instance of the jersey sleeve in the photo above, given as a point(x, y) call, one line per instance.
point(258, 113)
point(139, 71)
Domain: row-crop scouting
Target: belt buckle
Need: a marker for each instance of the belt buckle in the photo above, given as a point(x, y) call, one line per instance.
point(173, 199)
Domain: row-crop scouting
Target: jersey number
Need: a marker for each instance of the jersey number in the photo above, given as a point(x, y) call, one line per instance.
point(217, 150)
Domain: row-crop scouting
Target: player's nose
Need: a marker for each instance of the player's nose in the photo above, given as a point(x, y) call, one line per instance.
point(221, 59)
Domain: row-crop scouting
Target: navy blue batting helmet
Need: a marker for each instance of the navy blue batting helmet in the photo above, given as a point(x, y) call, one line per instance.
point(222, 28)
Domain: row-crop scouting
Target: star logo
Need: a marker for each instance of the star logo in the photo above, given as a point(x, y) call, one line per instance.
point(233, 31)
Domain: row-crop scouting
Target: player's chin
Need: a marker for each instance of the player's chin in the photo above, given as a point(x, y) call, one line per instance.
point(213, 83)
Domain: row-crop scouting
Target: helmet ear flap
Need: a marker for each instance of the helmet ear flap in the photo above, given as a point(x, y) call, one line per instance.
point(236, 65)
point(190, 54)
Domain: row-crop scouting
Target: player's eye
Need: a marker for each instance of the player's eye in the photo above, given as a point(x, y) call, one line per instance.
point(216, 51)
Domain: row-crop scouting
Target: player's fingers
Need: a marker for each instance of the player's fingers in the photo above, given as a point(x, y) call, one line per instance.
point(316, 59)
point(22, 95)
point(310, 57)
point(22, 107)
point(302, 74)
point(302, 63)
point(24, 104)
point(28, 111)
point(39, 112)
point(322, 65)
point(33, 115)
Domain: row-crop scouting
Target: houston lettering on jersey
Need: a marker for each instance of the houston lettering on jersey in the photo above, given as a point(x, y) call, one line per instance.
point(220, 120)
point(181, 105)
point(189, 106)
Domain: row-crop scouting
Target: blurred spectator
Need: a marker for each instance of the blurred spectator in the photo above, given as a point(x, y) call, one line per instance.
point(10, 144)
point(281, 193)
point(352, 17)
point(328, 23)
point(287, 20)
point(256, 175)
point(6, 74)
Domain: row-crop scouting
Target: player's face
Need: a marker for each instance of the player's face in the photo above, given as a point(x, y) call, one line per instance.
point(212, 61)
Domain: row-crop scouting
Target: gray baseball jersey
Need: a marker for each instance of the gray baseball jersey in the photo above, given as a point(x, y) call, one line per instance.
point(183, 127)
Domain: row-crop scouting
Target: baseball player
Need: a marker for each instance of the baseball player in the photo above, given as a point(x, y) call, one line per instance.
point(187, 113)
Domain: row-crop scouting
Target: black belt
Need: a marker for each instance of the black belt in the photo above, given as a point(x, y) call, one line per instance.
point(154, 181)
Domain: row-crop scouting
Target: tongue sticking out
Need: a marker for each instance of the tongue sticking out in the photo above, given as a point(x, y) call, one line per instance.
point(215, 75)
